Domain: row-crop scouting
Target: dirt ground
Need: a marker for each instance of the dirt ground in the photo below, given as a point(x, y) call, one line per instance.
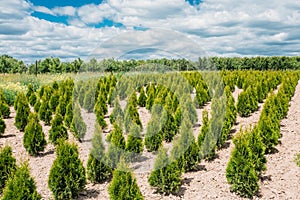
point(280, 181)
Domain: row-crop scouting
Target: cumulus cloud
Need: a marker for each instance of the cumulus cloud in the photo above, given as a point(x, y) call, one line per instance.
point(173, 28)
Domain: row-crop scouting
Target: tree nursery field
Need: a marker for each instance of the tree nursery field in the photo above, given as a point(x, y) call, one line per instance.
point(157, 134)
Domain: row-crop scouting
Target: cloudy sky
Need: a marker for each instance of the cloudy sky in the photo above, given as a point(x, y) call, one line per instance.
point(124, 29)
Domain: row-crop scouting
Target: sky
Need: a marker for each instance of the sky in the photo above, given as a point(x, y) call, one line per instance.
point(146, 29)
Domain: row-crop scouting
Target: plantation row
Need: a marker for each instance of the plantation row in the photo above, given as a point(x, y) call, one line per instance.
point(173, 114)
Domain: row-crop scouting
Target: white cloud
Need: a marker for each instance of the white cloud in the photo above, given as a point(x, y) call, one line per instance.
point(216, 27)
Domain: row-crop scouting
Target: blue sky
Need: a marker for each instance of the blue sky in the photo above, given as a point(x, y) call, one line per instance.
point(35, 29)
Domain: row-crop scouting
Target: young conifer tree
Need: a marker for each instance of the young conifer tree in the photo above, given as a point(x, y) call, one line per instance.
point(21, 185)
point(67, 174)
point(23, 111)
point(34, 139)
point(98, 169)
point(7, 165)
point(123, 185)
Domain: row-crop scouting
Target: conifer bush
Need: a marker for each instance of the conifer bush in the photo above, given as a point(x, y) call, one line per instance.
point(117, 114)
point(4, 110)
point(78, 127)
point(23, 111)
point(2, 126)
point(169, 128)
point(34, 139)
point(142, 98)
point(37, 106)
point(32, 99)
point(134, 145)
point(240, 172)
point(61, 107)
point(98, 169)
point(7, 165)
point(123, 185)
point(153, 136)
point(166, 175)
point(58, 130)
point(45, 113)
point(69, 115)
point(89, 100)
point(67, 174)
point(54, 101)
point(21, 185)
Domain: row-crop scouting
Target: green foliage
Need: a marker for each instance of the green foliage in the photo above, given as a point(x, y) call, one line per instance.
point(134, 145)
point(69, 115)
point(202, 93)
point(58, 130)
point(7, 165)
point(23, 111)
point(37, 106)
point(21, 186)
point(32, 99)
point(61, 107)
point(169, 128)
point(34, 138)
point(185, 150)
point(131, 115)
point(100, 110)
point(117, 114)
point(240, 171)
point(67, 174)
point(153, 136)
point(166, 175)
point(123, 185)
point(98, 170)
point(89, 100)
point(78, 127)
point(142, 98)
point(54, 101)
point(247, 102)
point(117, 146)
point(4, 110)
point(45, 113)
point(2, 126)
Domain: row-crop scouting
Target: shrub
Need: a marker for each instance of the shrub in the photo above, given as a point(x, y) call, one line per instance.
point(54, 101)
point(185, 150)
point(7, 165)
point(142, 98)
point(240, 171)
point(21, 185)
point(58, 130)
point(153, 136)
point(69, 115)
point(89, 100)
point(34, 138)
point(123, 185)
point(37, 106)
point(4, 110)
point(78, 127)
point(2, 126)
point(98, 170)
point(117, 114)
point(134, 145)
point(23, 111)
point(166, 175)
point(61, 107)
point(45, 113)
point(67, 174)
point(32, 99)
point(169, 128)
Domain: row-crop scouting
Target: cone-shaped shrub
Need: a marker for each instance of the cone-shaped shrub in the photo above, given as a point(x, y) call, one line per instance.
point(117, 146)
point(204, 128)
point(4, 110)
point(23, 111)
point(134, 145)
point(89, 100)
point(34, 138)
point(54, 101)
point(169, 128)
point(61, 107)
point(123, 185)
point(7, 165)
point(131, 116)
point(58, 130)
point(142, 98)
point(153, 136)
point(78, 127)
point(45, 113)
point(166, 175)
point(150, 98)
point(32, 99)
point(98, 169)
point(240, 172)
point(2, 126)
point(117, 114)
point(30, 91)
point(21, 185)
point(69, 115)
point(185, 150)
point(67, 174)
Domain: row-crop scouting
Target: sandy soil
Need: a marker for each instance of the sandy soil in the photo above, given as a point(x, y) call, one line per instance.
point(281, 180)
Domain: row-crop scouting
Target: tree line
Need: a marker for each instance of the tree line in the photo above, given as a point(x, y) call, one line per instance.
point(9, 64)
